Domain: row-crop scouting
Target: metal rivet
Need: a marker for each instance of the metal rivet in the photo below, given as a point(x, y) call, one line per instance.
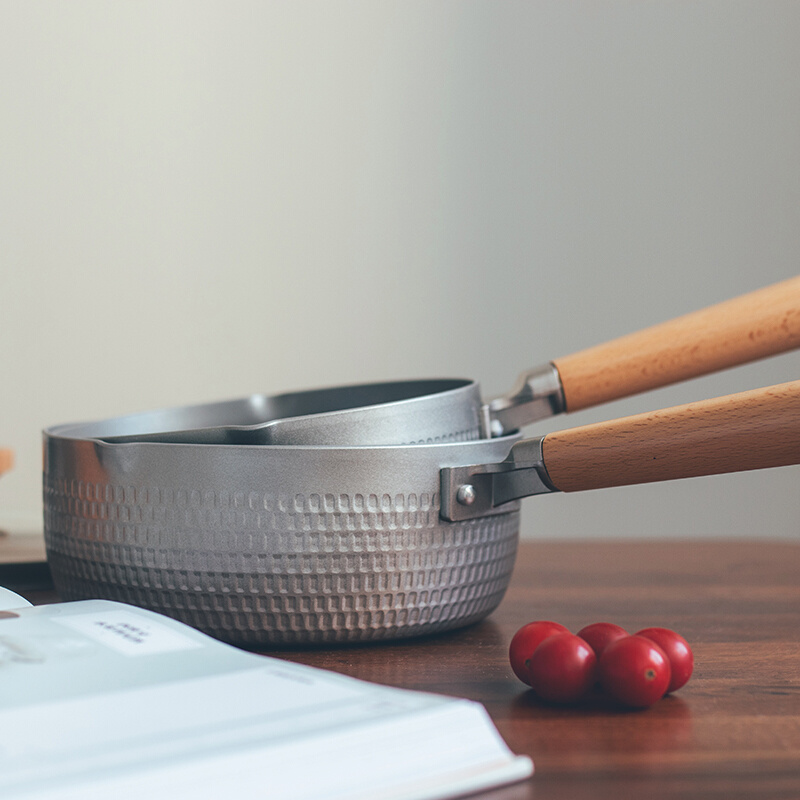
point(466, 494)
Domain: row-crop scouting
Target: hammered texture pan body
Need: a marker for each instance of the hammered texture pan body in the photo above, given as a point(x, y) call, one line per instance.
point(266, 546)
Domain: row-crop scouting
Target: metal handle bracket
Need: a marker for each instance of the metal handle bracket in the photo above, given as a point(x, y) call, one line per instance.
point(537, 394)
point(479, 489)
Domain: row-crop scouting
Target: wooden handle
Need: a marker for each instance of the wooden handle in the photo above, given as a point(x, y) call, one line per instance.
point(751, 430)
point(756, 325)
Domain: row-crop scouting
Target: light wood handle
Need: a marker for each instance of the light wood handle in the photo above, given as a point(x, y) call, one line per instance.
point(751, 430)
point(756, 325)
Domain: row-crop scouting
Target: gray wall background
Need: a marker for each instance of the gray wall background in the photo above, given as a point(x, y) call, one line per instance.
point(201, 200)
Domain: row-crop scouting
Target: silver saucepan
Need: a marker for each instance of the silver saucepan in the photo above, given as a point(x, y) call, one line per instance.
point(288, 544)
point(746, 328)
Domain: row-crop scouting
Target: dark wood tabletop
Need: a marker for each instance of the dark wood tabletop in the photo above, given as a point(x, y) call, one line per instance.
point(732, 732)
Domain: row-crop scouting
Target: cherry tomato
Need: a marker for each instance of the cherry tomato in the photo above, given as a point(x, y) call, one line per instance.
point(681, 658)
point(526, 640)
point(562, 668)
point(635, 671)
point(599, 635)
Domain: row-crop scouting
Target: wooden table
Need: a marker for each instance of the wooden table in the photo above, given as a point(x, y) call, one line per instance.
point(732, 732)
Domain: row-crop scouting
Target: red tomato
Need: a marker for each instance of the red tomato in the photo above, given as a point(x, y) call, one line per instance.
point(562, 668)
point(635, 671)
point(599, 635)
point(681, 658)
point(525, 641)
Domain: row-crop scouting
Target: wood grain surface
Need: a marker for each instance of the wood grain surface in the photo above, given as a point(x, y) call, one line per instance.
point(732, 732)
point(747, 328)
point(750, 430)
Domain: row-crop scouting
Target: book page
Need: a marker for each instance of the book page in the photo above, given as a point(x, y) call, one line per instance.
point(102, 689)
point(9, 599)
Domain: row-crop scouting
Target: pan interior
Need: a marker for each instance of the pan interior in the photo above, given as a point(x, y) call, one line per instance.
point(250, 420)
point(342, 398)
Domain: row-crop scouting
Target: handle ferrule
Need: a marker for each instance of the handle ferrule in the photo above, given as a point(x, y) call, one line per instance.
point(537, 394)
point(477, 490)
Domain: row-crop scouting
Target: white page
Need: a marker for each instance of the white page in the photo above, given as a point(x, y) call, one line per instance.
point(107, 698)
point(9, 600)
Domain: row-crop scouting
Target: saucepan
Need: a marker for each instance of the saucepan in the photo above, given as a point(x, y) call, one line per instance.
point(288, 544)
point(451, 410)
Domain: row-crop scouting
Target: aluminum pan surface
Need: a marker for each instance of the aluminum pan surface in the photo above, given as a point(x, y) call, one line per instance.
point(272, 545)
point(403, 412)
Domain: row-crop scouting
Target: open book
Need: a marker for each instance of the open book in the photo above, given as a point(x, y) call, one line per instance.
point(105, 700)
